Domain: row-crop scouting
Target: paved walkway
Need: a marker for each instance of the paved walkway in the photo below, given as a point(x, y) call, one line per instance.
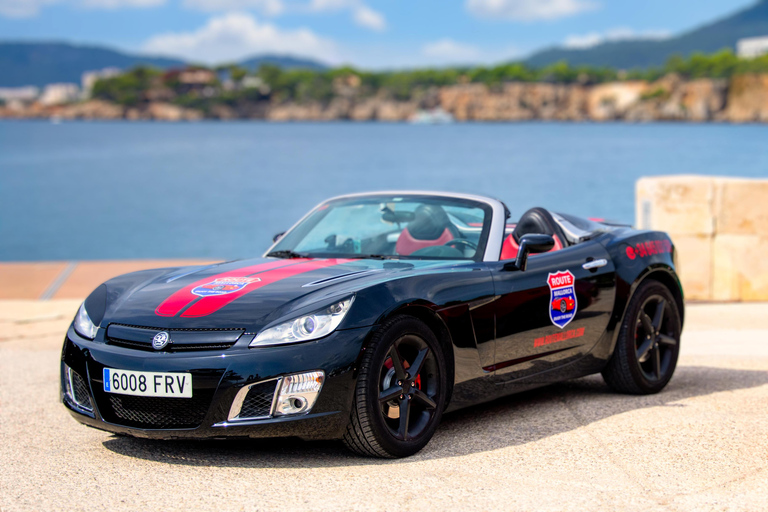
point(702, 444)
point(69, 280)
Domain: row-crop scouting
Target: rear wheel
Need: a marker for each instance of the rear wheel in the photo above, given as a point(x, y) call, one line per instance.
point(400, 393)
point(648, 346)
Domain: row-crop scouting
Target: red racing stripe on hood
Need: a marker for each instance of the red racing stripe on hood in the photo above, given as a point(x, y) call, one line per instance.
point(208, 305)
point(181, 298)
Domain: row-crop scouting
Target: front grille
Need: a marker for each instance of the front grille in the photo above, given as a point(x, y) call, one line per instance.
point(152, 412)
point(181, 340)
point(80, 392)
point(258, 401)
point(174, 347)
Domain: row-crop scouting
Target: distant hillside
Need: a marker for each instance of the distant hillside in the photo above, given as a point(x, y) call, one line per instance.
point(284, 62)
point(44, 63)
point(750, 22)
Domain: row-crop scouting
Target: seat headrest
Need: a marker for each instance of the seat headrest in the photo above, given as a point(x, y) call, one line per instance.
point(429, 223)
point(535, 220)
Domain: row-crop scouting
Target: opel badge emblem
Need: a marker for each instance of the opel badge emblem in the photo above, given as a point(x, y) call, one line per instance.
point(160, 340)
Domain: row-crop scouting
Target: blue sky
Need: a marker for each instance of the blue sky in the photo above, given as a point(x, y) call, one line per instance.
point(372, 34)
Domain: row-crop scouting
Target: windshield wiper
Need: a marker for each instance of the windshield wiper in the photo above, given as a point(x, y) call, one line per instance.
point(374, 256)
point(286, 254)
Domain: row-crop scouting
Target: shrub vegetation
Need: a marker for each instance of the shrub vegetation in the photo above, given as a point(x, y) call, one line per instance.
point(302, 85)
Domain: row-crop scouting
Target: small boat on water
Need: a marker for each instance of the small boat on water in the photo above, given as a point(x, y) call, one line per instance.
point(433, 116)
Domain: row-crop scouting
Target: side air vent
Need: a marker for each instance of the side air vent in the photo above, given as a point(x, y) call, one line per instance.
point(77, 390)
point(254, 401)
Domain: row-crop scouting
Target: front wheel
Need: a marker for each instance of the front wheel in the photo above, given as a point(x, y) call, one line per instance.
point(401, 391)
point(646, 351)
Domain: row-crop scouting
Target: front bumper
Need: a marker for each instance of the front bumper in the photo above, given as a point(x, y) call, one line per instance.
point(217, 376)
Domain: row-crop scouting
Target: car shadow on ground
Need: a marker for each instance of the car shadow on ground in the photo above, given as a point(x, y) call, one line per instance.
point(515, 420)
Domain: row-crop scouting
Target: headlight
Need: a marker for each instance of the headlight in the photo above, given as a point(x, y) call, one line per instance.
point(305, 328)
point(83, 324)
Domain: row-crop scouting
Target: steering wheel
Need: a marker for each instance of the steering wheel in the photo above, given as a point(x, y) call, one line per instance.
point(462, 242)
point(350, 246)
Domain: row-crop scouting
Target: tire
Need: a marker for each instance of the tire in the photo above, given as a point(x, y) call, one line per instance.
point(394, 413)
point(648, 345)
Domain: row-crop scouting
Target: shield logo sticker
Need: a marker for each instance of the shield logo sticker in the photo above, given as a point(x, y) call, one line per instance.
point(223, 286)
point(562, 297)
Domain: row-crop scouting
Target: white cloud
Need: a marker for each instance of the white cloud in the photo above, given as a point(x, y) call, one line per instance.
point(583, 41)
point(368, 18)
point(362, 15)
point(22, 8)
point(118, 4)
point(265, 7)
point(30, 8)
point(448, 50)
point(528, 10)
point(235, 36)
point(330, 5)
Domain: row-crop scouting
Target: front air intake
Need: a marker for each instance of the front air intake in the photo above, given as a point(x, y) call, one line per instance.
point(77, 389)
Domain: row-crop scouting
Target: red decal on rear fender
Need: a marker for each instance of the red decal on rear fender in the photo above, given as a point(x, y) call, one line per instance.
point(649, 248)
point(181, 298)
point(559, 336)
point(208, 305)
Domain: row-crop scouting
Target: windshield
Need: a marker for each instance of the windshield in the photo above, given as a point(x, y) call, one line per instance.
point(407, 226)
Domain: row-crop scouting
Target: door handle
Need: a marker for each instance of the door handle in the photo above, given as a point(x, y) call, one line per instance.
point(594, 264)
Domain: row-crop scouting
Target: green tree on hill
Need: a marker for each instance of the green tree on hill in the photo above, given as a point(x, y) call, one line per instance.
point(305, 85)
point(128, 88)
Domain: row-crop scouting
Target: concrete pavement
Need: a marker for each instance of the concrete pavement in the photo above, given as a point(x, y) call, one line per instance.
point(701, 444)
point(69, 279)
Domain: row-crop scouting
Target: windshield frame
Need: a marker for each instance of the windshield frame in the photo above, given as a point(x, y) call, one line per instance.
point(492, 233)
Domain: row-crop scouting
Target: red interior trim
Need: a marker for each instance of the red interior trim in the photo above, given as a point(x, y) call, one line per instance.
point(407, 245)
point(510, 248)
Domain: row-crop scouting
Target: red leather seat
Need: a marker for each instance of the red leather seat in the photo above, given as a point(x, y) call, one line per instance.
point(535, 220)
point(430, 227)
point(407, 244)
point(510, 248)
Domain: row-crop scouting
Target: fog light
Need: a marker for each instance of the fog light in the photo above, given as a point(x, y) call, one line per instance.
point(68, 383)
point(298, 393)
point(76, 389)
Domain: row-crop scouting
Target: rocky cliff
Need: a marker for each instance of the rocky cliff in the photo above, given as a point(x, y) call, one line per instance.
point(743, 98)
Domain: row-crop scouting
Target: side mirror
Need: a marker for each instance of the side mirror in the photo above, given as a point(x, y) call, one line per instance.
point(530, 244)
point(278, 237)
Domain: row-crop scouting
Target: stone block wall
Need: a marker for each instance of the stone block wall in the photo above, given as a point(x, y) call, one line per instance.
point(720, 229)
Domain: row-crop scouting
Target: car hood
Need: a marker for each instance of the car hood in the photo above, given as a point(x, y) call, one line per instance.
point(246, 294)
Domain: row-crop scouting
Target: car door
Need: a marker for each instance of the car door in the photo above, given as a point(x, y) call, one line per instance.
point(555, 311)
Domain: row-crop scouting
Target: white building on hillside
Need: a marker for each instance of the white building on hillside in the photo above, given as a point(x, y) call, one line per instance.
point(89, 79)
point(26, 94)
point(752, 47)
point(57, 94)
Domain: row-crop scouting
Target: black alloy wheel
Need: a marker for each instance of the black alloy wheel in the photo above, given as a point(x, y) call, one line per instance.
point(400, 394)
point(654, 347)
point(405, 395)
point(648, 346)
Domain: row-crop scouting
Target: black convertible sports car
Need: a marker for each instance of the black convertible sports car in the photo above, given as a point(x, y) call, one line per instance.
point(370, 318)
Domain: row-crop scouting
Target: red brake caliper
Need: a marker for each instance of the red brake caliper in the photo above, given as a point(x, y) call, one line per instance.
point(389, 364)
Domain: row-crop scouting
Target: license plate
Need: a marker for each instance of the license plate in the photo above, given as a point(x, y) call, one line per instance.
point(127, 382)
